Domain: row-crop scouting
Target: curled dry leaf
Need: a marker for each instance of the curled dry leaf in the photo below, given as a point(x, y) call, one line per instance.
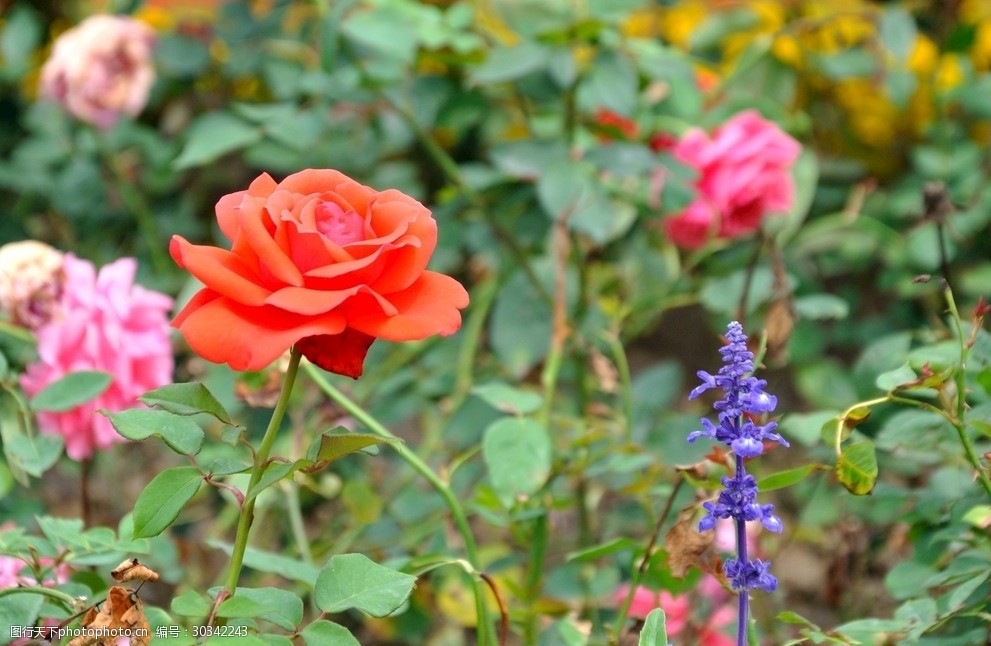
point(120, 612)
point(684, 543)
point(133, 570)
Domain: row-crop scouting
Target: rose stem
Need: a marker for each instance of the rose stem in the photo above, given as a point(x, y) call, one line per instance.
point(638, 573)
point(457, 512)
point(261, 458)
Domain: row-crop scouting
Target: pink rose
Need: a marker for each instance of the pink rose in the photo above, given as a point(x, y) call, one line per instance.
point(101, 69)
point(30, 282)
point(676, 608)
point(744, 174)
point(105, 323)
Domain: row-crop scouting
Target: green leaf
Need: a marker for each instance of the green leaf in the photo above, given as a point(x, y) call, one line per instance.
point(21, 35)
point(509, 63)
point(907, 579)
point(385, 31)
point(334, 445)
point(517, 454)
point(326, 633)
point(186, 399)
point(856, 467)
point(71, 390)
point(807, 428)
point(190, 604)
point(162, 500)
point(610, 82)
point(898, 31)
point(34, 455)
point(789, 477)
point(603, 549)
point(821, 307)
point(181, 434)
point(18, 610)
point(354, 581)
point(212, 135)
point(275, 471)
point(281, 607)
point(654, 632)
point(508, 399)
point(272, 563)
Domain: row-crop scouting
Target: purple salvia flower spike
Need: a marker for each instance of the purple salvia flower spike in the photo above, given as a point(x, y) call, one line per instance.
point(743, 396)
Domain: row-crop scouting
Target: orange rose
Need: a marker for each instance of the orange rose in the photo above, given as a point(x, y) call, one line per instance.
point(320, 261)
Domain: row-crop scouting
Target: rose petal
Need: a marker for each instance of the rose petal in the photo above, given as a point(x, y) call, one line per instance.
point(246, 338)
point(312, 180)
point(310, 302)
point(429, 306)
point(343, 353)
point(273, 258)
point(219, 270)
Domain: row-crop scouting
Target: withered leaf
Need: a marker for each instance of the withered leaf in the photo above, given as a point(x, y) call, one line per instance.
point(133, 570)
point(119, 612)
point(685, 544)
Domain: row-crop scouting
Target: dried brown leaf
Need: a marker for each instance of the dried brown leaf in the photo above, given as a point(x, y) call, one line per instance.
point(685, 544)
point(133, 570)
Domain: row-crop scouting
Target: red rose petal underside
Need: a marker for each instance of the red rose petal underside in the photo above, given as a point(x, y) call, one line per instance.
point(343, 353)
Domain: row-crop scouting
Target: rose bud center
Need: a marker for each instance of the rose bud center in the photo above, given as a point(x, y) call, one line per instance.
point(343, 227)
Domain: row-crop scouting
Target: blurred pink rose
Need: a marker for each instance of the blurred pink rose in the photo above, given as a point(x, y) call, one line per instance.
point(101, 69)
point(710, 635)
point(106, 323)
point(744, 174)
point(676, 608)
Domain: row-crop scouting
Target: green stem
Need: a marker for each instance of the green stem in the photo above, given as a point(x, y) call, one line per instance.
point(625, 380)
point(296, 522)
point(961, 407)
point(637, 574)
point(457, 512)
point(261, 461)
point(538, 551)
point(68, 600)
point(135, 203)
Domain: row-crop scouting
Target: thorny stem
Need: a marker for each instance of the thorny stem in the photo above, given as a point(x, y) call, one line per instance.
point(637, 574)
point(135, 202)
point(442, 487)
point(68, 600)
point(961, 376)
point(257, 470)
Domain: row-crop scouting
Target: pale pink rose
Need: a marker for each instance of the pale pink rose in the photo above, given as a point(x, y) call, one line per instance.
point(676, 608)
point(101, 69)
point(30, 282)
point(744, 174)
point(105, 322)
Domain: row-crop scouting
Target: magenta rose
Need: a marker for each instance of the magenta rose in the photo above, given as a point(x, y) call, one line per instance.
point(744, 174)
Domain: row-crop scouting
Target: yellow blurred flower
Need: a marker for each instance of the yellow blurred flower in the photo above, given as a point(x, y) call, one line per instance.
point(980, 53)
point(787, 49)
point(682, 20)
point(974, 11)
point(949, 74)
point(922, 59)
point(642, 23)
